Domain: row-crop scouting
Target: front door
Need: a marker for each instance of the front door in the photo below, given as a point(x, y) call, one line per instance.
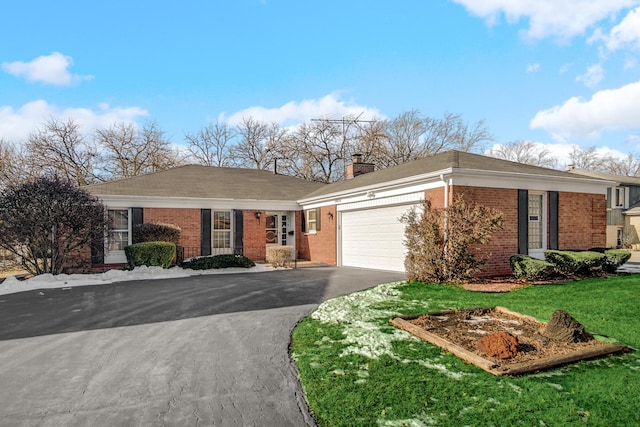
point(278, 229)
point(537, 225)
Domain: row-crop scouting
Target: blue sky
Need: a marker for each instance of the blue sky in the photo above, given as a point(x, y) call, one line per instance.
point(557, 73)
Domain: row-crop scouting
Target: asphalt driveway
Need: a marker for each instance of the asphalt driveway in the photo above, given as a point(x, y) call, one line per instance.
point(200, 351)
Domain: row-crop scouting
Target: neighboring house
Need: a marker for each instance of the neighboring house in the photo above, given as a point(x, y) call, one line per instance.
point(623, 207)
point(355, 222)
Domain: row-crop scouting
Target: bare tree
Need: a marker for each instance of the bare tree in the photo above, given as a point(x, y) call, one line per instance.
point(126, 150)
point(254, 149)
point(59, 149)
point(588, 158)
point(527, 152)
point(629, 166)
point(369, 141)
point(317, 151)
point(13, 165)
point(411, 136)
point(211, 145)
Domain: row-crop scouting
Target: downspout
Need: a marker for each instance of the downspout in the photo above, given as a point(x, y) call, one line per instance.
point(445, 180)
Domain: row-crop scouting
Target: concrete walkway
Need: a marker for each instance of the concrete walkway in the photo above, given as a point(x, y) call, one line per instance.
point(200, 351)
point(633, 265)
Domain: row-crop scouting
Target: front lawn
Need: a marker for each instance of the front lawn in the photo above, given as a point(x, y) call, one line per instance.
point(357, 370)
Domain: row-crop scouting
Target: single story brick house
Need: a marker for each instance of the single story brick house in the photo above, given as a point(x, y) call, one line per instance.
point(219, 210)
point(355, 222)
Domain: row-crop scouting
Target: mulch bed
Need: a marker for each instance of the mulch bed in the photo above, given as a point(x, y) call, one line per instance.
point(458, 331)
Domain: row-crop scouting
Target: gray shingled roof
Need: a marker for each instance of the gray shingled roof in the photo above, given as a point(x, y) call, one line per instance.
point(630, 180)
point(210, 182)
point(449, 159)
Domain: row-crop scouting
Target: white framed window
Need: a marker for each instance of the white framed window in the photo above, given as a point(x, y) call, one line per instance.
point(221, 238)
point(118, 234)
point(312, 216)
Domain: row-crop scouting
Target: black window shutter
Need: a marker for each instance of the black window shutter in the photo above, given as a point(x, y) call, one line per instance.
point(553, 219)
point(137, 218)
point(303, 222)
point(318, 219)
point(523, 222)
point(205, 232)
point(238, 236)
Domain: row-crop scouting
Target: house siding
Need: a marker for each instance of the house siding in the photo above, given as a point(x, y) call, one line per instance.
point(582, 221)
point(254, 235)
point(187, 219)
point(321, 246)
point(503, 243)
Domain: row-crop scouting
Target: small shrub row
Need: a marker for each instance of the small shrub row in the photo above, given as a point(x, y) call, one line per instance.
point(525, 267)
point(156, 232)
point(280, 256)
point(151, 254)
point(614, 258)
point(573, 263)
point(218, 261)
point(568, 263)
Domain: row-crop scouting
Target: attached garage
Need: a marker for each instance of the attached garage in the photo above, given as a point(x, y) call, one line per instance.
point(373, 238)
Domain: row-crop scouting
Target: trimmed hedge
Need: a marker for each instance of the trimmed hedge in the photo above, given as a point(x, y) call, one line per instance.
point(525, 267)
point(151, 254)
point(156, 232)
point(575, 262)
point(218, 261)
point(614, 258)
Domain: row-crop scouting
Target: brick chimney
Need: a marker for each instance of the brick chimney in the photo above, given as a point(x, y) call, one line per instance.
point(358, 167)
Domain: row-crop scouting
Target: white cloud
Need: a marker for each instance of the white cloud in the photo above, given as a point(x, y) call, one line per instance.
point(626, 33)
point(548, 18)
point(50, 69)
point(592, 77)
point(17, 124)
point(294, 112)
point(532, 68)
point(606, 110)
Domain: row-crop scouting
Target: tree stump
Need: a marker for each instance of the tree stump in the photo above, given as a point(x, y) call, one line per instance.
point(501, 344)
point(563, 327)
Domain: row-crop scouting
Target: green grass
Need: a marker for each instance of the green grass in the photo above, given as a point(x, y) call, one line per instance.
point(357, 370)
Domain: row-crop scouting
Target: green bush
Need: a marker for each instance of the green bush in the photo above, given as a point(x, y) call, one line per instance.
point(525, 267)
point(151, 254)
point(614, 258)
point(575, 262)
point(156, 232)
point(218, 261)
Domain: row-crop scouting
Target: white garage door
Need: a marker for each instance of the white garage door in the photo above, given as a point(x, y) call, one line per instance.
point(372, 238)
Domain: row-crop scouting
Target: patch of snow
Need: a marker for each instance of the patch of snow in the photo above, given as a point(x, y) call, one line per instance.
point(424, 420)
point(67, 281)
point(358, 315)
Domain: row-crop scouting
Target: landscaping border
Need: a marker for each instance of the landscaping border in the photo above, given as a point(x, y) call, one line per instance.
point(497, 368)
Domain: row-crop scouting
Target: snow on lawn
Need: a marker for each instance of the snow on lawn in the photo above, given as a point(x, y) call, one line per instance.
point(359, 315)
point(49, 281)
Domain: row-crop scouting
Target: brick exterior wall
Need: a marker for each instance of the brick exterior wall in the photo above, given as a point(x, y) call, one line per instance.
point(187, 219)
point(254, 235)
point(582, 221)
point(321, 246)
point(503, 243)
point(302, 241)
